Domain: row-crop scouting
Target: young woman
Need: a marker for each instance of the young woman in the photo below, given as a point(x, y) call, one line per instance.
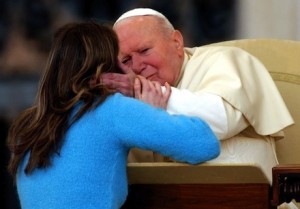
point(69, 150)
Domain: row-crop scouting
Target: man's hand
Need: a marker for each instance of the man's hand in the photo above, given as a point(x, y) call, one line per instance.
point(151, 92)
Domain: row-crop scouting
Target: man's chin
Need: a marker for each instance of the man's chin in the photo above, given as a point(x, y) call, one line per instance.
point(162, 82)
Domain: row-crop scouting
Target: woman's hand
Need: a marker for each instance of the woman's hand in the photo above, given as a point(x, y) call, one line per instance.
point(151, 92)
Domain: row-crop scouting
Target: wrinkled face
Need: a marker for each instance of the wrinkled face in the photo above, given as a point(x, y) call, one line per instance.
point(149, 52)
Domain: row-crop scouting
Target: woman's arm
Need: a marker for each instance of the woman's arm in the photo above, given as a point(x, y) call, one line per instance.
point(183, 138)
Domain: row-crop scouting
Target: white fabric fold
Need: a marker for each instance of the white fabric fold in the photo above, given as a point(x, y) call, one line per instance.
point(204, 105)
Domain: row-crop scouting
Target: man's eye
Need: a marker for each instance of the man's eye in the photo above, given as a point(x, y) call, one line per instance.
point(144, 50)
point(125, 61)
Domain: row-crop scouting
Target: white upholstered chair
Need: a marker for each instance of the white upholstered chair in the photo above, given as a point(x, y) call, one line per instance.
point(176, 185)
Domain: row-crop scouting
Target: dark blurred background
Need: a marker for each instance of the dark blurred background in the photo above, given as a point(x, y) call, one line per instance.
point(26, 28)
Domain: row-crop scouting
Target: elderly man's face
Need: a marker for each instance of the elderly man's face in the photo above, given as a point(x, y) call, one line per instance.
point(149, 52)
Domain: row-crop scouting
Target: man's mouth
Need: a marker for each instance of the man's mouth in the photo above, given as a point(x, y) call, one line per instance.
point(150, 77)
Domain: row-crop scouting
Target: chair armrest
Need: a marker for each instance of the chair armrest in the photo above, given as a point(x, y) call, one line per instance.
point(286, 184)
point(179, 185)
point(182, 173)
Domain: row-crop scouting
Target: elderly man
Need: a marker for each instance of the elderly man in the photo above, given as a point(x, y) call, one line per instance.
point(226, 86)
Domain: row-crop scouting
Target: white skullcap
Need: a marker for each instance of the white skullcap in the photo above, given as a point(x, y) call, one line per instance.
point(139, 12)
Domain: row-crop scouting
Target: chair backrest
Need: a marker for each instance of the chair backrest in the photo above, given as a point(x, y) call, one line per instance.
point(282, 59)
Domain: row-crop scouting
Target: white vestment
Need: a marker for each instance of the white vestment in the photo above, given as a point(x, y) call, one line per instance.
point(250, 107)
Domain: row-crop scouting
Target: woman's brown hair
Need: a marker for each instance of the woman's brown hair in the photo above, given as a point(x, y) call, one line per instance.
point(80, 52)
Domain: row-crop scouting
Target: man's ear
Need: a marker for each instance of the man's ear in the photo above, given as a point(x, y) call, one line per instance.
point(178, 39)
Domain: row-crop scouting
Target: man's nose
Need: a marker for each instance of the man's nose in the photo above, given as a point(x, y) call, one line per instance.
point(137, 65)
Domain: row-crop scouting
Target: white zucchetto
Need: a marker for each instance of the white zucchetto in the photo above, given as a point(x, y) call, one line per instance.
point(139, 12)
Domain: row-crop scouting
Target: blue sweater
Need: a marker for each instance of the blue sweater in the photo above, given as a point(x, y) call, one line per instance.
point(90, 171)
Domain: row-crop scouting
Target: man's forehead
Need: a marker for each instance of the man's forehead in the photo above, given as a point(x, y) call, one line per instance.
point(136, 29)
point(134, 45)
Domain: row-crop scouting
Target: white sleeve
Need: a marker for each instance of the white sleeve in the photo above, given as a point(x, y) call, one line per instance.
point(210, 108)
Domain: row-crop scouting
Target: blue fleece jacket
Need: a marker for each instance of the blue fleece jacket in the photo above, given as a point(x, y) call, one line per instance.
point(90, 171)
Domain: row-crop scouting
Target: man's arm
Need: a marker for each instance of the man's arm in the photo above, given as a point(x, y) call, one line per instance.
point(223, 118)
